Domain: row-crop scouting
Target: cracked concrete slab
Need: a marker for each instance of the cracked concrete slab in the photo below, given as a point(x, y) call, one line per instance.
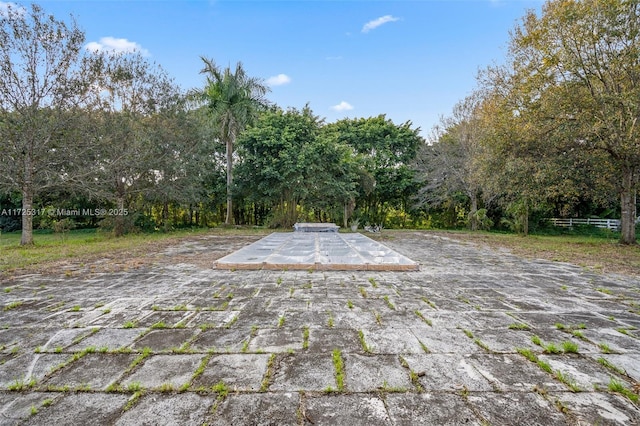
point(240, 372)
point(255, 346)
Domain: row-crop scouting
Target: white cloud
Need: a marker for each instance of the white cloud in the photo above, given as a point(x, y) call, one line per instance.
point(278, 80)
point(116, 45)
point(342, 106)
point(372, 25)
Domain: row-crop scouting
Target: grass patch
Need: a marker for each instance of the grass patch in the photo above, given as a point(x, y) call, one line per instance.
point(305, 337)
point(568, 381)
point(330, 321)
point(551, 348)
point(519, 326)
point(569, 347)
point(363, 342)
point(482, 345)
point(591, 250)
point(133, 400)
point(268, 375)
point(423, 318)
point(82, 245)
point(363, 292)
point(12, 305)
point(389, 304)
point(231, 322)
point(338, 366)
point(146, 352)
point(605, 363)
point(429, 302)
point(159, 325)
point(619, 387)
point(21, 384)
point(604, 348)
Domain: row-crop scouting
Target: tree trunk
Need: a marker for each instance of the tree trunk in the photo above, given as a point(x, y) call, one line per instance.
point(118, 229)
point(27, 218)
point(525, 218)
point(229, 218)
point(27, 203)
point(473, 214)
point(628, 208)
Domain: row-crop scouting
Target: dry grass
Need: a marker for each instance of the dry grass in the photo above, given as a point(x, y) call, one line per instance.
point(594, 253)
point(81, 252)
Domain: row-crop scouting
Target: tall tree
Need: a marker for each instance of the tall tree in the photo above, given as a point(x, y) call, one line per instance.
point(576, 70)
point(451, 162)
point(131, 92)
point(275, 164)
point(385, 151)
point(43, 78)
point(234, 100)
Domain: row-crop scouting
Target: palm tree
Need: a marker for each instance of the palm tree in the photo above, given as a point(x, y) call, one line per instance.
point(234, 100)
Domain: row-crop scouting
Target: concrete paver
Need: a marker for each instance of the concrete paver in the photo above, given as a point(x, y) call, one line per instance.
point(180, 343)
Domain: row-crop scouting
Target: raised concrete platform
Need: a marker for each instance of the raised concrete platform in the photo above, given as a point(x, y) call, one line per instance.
point(317, 251)
point(316, 227)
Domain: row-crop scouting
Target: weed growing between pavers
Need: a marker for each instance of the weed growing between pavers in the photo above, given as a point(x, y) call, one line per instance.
point(423, 318)
point(185, 348)
point(133, 400)
point(200, 370)
point(338, 365)
point(232, 321)
point(365, 347)
point(605, 363)
point(617, 386)
point(477, 341)
point(559, 375)
point(330, 320)
point(373, 282)
point(159, 325)
point(76, 356)
point(12, 305)
point(363, 292)
point(377, 317)
point(21, 384)
point(569, 347)
point(551, 348)
point(146, 353)
point(413, 376)
point(305, 337)
point(519, 326)
point(268, 375)
point(389, 303)
point(84, 336)
point(424, 347)
point(429, 302)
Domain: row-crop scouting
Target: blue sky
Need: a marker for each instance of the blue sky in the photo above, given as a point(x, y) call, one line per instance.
point(412, 60)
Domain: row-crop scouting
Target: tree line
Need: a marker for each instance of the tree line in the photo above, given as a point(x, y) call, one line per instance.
point(554, 129)
point(550, 132)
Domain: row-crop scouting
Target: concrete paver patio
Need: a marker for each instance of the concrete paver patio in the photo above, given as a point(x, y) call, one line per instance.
point(475, 337)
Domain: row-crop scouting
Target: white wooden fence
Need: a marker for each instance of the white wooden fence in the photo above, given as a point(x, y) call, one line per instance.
point(613, 224)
